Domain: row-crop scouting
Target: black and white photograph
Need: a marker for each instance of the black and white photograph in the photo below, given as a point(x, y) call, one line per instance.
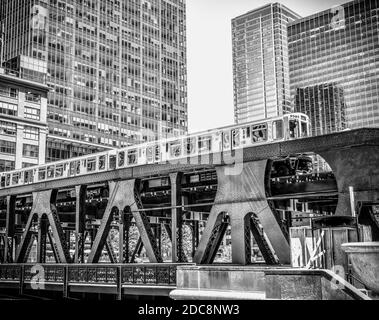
point(189, 157)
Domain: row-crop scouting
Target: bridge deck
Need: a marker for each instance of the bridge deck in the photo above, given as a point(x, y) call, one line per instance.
point(357, 137)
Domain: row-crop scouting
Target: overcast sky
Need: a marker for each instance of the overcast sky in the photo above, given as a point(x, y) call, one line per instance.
point(209, 49)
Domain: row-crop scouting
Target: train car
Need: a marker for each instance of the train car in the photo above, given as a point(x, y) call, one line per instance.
point(286, 127)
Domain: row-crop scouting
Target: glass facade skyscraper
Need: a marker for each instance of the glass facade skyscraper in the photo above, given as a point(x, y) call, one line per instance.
point(260, 63)
point(116, 69)
point(339, 46)
point(325, 106)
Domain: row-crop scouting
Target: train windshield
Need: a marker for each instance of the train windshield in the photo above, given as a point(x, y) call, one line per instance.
point(304, 129)
point(294, 128)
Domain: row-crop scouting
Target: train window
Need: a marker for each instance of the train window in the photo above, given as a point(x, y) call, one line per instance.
point(91, 165)
point(112, 161)
point(2, 182)
point(28, 176)
point(102, 160)
point(59, 171)
point(236, 138)
point(175, 148)
point(157, 153)
point(294, 128)
point(121, 159)
point(226, 140)
point(78, 167)
point(41, 173)
point(72, 168)
point(204, 144)
point(15, 178)
point(132, 156)
point(304, 129)
point(7, 180)
point(259, 132)
point(50, 172)
point(277, 129)
point(245, 132)
point(191, 145)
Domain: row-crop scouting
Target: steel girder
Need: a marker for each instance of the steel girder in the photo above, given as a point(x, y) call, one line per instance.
point(44, 207)
point(124, 196)
point(239, 194)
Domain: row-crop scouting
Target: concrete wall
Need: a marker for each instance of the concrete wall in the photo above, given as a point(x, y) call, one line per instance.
point(253, 283)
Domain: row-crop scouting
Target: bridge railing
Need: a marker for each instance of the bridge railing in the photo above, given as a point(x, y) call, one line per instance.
point(163, 274)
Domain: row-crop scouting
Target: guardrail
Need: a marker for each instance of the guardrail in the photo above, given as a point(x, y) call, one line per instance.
point(66, 275)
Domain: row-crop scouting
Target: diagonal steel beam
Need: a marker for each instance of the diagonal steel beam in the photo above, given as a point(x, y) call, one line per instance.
point(124, 196)
point(44, 204)
point(142, 222)
point(211, 239)
point(102, 233)
point(21, 256)
point(56, 227)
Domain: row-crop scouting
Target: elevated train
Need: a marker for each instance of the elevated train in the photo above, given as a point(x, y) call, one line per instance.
point(286, 127)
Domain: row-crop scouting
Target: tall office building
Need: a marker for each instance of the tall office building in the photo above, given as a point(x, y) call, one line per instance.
point(23, 126)
point(116, 69)
point(260, 63)
point(339, 46)
point(325, 106)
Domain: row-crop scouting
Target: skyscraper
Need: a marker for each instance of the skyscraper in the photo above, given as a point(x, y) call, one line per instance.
point(325, 106)
point(116, 69)
point(260, 63)
point(339, 46)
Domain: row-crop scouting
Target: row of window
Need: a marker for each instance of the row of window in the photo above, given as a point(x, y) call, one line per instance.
point(8, 92)
point(10, 129)
point(9, 147)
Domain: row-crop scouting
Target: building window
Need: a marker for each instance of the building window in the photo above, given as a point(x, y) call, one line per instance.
point(30, 151)
point(31, 133)
point(6, 165)
point(8, 92)
point(7, 147)
point(8, 128)
point(33, 97)
point(31, 113)
point(8, 109)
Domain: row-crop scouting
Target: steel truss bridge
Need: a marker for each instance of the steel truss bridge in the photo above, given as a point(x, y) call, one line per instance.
point(201, 193)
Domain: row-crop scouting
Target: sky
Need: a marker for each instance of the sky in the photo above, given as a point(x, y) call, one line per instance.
point(209, 55)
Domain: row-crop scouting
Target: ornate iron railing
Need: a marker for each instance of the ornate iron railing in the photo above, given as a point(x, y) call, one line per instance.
point(160, 274)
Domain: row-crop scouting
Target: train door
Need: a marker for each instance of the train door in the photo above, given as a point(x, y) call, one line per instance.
point(226, 145)
point(294, 128)
point(217, 142)
point(204, 144)
point(245, 135)
point(102, 162)
point(277, 128)
point(236, 139)
point(142, 155)
point(112, 159)
point(121, 159)
point(175, 149)
point(191, 146)
point(153, 154)
point(132, 158)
